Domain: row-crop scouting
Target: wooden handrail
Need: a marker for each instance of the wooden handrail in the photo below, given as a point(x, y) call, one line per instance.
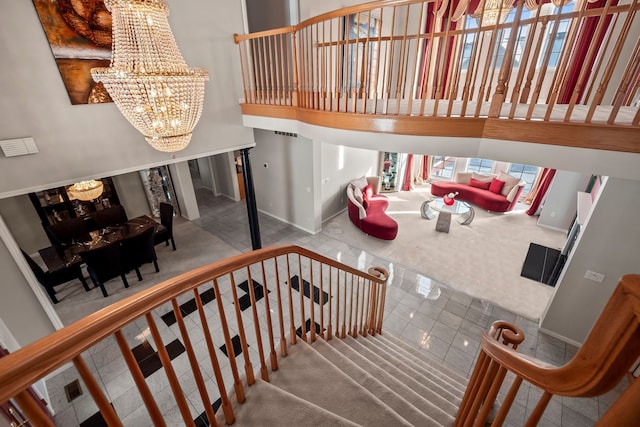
point(607, 355)
point(22, 368)
point(374, 81)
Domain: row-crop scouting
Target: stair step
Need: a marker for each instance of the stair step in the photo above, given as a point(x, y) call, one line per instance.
point(308, 375)
point(439, 394)
point(396, 342)
point(396, 395)
point(268, 405)
point(433, 370)
point(436, 396)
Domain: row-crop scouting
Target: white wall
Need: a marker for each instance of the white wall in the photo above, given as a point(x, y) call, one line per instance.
point(561, 203)
point(607, 244)
point(225, 175)
point(285, 189)
point(206, 174)
point(340, 165)
point(77, 141)
point(131, 194)
point(21, 311)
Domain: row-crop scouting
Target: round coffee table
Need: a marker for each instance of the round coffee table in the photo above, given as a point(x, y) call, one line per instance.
point(463, 211)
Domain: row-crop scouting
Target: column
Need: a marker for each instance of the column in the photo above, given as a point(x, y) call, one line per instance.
point(252, 210)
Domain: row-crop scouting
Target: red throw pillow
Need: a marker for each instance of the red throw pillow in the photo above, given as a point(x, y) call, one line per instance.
point(496, 186)
point(479, 184)
point(367, 191)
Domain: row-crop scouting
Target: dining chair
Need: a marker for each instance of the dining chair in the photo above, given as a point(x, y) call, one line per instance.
point(49, 280)
point(65, 232)
point(166, 219)
point(105, 263)
point(139, 250)
point(114, 215)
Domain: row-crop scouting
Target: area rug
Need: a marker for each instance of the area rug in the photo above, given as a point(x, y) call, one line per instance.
point(540, 264)
point(483, 259)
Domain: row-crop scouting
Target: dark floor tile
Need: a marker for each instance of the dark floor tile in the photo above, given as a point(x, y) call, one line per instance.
point(295, 284)
point(150, 365)
point(237, 346)
point(308, 328)
point(188, 307)
point(245, 300)
point(208, 296)
point(175, 349)
point(142, 351)
point(95, 420)
point(169, 318)
point(202, 420)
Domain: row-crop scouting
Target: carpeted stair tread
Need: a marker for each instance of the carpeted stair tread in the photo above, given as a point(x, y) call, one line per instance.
point(268, 405)
point(432, 371)
point(395, 394)
point(308, 375)
point(436, 395)
point(440, 395)
point(396, 342)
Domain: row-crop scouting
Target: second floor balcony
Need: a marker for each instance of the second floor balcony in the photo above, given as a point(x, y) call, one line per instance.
point(562, 73)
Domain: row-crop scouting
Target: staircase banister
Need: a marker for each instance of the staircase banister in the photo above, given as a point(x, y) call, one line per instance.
point(25, 366)
point(611, 348)
point(237, 38)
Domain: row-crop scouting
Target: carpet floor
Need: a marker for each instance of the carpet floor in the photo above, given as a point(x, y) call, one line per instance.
point(483, 259)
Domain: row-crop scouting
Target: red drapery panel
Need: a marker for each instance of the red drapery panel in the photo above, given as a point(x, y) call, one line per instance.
point(586, 38)
point(425, 168)
point(541, 191)
point(408, 174)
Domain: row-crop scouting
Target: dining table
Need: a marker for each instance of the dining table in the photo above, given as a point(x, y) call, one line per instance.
point(57, 257)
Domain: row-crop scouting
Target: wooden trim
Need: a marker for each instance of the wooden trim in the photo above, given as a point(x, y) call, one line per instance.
point(577, 135)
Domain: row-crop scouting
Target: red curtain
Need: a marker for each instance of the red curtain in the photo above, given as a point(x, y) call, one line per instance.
point(408, 174)
point(425, 168)
point(586, 38)
point(541, 191)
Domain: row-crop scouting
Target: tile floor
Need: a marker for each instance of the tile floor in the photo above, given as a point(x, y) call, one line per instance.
point(441, 322)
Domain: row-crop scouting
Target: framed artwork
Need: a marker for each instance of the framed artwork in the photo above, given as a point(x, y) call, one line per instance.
point(79, 33)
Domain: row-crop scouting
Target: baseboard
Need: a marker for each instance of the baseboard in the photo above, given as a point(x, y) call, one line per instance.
point(333, 216)
point(289, 222)
point(560, 337)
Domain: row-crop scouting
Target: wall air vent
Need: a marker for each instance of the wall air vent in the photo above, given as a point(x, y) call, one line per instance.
point(295, 135)
point(18, 147)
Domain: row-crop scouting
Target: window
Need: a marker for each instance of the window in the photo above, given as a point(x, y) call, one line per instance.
point(526, 173)
point(480, 165)
point(361, 27)
point(442, 167)
point(558, 42)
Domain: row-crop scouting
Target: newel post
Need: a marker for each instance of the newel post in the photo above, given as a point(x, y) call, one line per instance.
point(507, 65)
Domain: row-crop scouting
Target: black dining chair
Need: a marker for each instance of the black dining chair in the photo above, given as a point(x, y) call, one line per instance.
point(104, 264)
point(114, 215)
point(67, 231)
point(166, 219)
point(49, 280)
point(139, 250)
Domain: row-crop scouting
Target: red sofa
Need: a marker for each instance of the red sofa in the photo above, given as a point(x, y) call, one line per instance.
point(479, 193)
point(369, 215)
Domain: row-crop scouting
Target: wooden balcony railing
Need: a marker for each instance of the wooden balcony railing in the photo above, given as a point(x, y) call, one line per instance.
point(401, 66)
point(341, 301)
point(610, 352)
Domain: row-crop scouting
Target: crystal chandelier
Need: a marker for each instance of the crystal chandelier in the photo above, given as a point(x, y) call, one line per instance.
point(86, 190)
point(148, 79)
point(492, 12)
